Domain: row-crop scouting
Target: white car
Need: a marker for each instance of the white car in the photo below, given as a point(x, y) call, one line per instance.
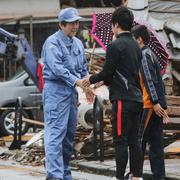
point(22, 86)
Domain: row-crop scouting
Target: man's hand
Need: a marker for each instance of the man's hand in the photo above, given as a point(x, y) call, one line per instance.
point(89, 94)
point(87, 89)
point(161, 112)
point(98, 84)
point(83, 83)
point(79, 83)
point(86, 83)
point(166, 119)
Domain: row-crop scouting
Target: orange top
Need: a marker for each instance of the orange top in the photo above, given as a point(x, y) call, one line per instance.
point(146, 99)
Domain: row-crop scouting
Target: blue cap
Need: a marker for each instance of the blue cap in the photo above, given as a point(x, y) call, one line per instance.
point(69, 15)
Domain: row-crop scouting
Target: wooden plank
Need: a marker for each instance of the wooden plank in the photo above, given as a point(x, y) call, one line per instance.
point(10, 138)
point(174, 110)
point(173, 100)
point(173, 148)
point(174, 124)
point(176, 75)
point(171, 132)
point(175, 120)
point(33, 121)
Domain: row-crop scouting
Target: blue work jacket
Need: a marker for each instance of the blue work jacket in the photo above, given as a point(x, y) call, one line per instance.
point(64, 59)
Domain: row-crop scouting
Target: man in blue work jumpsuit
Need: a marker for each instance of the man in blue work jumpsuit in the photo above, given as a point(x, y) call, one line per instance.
point(64, 67)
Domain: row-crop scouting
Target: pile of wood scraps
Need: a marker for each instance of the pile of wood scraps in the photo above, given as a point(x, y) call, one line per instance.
point(31, 156)
point(173, 105)
point(173, 150)
point(96, 60)
point(172, 129)
point(84, 139)
point(2, 143)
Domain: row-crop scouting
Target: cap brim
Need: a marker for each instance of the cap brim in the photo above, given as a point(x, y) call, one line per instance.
point(73, 19)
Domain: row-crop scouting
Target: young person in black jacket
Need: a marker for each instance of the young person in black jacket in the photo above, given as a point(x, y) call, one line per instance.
point(154, 104)
point(120, 73)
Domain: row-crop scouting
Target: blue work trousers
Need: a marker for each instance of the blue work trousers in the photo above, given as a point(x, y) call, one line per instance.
point(60, 112)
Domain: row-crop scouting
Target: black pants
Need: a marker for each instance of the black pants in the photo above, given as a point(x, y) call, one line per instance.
point(151, 132)
point(125, 124)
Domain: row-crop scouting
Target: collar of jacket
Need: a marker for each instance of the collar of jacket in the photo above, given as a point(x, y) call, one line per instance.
point(126, 33)
point(67, 40)
point(145, 47)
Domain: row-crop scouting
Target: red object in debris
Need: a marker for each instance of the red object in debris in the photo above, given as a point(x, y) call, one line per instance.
point(40, 76)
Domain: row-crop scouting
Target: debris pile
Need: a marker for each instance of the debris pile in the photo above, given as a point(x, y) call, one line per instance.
point(96, 61)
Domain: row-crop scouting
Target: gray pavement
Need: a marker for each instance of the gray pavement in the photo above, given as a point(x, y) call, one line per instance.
point(81, 170)
point(107, 167)
point(10, 170)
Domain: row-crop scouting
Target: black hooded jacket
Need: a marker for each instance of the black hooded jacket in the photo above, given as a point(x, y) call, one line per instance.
point(120, 71)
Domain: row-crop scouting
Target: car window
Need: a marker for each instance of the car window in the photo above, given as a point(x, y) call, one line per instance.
point(29, 82)
point(18, 74)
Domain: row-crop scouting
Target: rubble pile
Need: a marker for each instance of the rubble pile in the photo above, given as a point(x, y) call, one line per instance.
point(2, 143)
point(6, 154)
point(96, 63)
point(84, 139)
point(31, 156)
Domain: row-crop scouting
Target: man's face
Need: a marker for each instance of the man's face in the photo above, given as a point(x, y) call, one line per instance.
point(140, 42)
point(115, 29)
point(70, 29)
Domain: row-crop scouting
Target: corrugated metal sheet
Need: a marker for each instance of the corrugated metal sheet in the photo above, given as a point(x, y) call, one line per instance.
point(163, 9)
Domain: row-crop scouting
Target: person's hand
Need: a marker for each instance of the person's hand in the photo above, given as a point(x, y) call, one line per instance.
point(89, 95)
point(98, 84)
point(166, 119)
point(79, 83)
point(160, 111)
point(86, 83)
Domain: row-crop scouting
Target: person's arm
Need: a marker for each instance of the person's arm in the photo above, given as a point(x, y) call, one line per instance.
point(109, 67)
point(148, 82)
point(162, 90)
point(161, 86)
point(53, 58)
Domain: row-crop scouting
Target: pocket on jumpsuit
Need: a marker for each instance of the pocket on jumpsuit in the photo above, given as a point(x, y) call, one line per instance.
point(51, 114)
point(79, 58)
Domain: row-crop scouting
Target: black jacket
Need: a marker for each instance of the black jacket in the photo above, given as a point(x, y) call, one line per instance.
point(120, 71)
point(153, 82)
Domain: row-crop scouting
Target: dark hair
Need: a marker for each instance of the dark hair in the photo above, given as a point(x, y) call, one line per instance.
point(123, 17)
point(64, 23)
point(141, 31)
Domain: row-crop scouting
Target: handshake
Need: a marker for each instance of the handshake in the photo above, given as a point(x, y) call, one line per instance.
point(85, 85)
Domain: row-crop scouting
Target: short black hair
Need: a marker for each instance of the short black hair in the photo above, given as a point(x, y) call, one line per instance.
point(64, 23)
point(141, 31)
point(123, 17)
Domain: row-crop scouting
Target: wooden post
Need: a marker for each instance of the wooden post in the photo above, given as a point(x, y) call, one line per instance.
point(31, 32)
point(91, 56)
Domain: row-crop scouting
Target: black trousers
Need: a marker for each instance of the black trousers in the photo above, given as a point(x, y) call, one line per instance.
point(125, 124)
point(151, 133)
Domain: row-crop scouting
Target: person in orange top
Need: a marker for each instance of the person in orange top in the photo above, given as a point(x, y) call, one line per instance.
point(154, 104)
